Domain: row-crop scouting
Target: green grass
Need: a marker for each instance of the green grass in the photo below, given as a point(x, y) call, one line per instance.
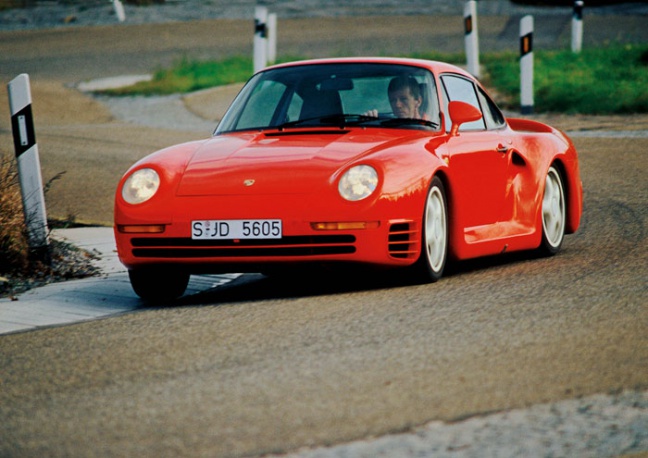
point(610, 80)
point(596, 81)
point(191, 75)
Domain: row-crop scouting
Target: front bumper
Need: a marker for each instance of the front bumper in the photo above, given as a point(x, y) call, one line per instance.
point(391, 243)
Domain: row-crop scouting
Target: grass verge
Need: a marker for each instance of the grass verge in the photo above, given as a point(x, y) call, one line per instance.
point(191, 75)
point(610, 80)
point(596, 81)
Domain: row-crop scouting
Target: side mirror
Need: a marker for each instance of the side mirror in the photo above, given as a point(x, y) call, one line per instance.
point(460, 113)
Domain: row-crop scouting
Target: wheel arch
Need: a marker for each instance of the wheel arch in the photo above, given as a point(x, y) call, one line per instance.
point(434, 250)
point(442, 174)
point(573, 194)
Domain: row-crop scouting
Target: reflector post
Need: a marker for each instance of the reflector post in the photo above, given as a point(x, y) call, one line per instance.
point(29, 169)
point(260, 57)
point(526, 65)
point(577, 27)
point(471, 39)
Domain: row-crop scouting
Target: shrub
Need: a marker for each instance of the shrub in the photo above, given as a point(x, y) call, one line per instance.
point(14, 250)
point(19, 270)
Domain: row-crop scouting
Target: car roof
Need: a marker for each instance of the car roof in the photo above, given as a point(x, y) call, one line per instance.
point(435, 66)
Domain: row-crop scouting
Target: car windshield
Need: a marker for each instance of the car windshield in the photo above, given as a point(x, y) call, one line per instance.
point(328, 95)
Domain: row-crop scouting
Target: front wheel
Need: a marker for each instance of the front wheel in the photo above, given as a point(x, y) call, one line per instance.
point(554, 213)
point(434, 243)
point(158, 284)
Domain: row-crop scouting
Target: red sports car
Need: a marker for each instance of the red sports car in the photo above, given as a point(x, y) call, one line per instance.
point(375, 161)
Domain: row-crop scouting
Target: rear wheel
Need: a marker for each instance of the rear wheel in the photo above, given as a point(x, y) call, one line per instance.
point(554, 213)
point(158, 284)
point(434, 244)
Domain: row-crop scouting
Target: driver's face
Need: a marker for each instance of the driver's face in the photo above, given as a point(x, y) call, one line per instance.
point(404, 104)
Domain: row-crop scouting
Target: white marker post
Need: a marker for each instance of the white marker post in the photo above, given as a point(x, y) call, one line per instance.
point(577, 27)
point(272, 38)
point(526, 65)
point(260, 38)
point(471, 37)
point(119, 10)
point(29, 171)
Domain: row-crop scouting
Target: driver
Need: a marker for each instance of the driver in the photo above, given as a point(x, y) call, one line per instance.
point(405, 98)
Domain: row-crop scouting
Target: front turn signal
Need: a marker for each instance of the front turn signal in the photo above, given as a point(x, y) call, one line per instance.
point(345, 225)
point(140, 228)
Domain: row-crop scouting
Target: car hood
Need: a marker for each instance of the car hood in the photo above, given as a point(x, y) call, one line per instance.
point(286, 162)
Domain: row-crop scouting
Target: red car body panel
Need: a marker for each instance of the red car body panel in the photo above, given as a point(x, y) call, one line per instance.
point(494, 181)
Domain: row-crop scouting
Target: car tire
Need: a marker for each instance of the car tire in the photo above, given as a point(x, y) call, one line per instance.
point(554, 213)
point(434, 240)
point(158, 284)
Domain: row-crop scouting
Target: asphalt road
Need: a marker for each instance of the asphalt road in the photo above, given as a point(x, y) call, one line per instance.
point(269, 364)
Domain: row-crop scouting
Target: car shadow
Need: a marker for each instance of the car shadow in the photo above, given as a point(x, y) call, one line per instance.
point(318, 282)
point(259, 287)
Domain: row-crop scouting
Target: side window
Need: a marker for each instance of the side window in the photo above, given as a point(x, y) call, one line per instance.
point(462, 90)
point(492, 114)
point(430, 100)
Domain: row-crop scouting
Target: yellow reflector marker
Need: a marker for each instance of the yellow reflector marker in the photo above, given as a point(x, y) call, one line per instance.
point(141, 229)
point(345, 225)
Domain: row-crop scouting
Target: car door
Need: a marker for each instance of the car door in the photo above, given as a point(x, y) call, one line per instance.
point(477, 161)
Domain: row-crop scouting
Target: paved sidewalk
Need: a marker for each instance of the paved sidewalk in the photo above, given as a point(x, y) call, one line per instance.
point(81, 300)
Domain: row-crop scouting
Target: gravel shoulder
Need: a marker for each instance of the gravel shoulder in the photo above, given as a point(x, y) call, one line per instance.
point(594, 426)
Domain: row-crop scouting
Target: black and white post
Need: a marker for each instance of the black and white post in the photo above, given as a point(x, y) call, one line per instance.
point(119, 10)
point(29, 170)
point(272, 38)
point(260, 38)
point(577, 27)
point(526, 65)
point(471, 37)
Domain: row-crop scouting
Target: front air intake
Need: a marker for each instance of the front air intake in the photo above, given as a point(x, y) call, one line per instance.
point(175, 248)
point(402, 240)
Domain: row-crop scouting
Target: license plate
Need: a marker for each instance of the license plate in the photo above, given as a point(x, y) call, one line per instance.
point(236, 229)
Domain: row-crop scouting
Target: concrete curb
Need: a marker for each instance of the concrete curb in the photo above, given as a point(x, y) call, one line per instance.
point(87, 299)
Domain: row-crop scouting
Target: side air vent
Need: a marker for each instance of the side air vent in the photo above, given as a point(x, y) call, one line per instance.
point(517, 159)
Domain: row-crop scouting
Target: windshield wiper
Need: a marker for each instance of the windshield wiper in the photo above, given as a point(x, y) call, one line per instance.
point(297, 122)
point(397, 122)
point(350, 119)
point(341, 120)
